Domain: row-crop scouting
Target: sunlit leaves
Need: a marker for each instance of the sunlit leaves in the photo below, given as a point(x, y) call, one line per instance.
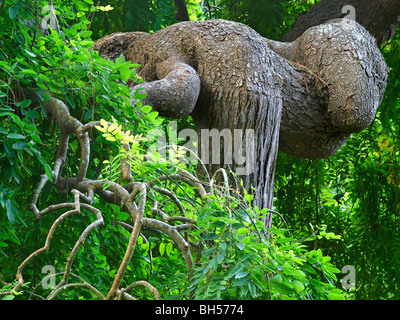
point(105, 8)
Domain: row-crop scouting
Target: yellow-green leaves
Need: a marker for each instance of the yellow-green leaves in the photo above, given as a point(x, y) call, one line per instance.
point(128, 149)
point(113, 132)
point(103, 127)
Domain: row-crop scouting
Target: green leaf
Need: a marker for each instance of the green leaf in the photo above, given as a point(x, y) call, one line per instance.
point(241, 274)
point(12, 211)
point(48, 171)
point(12, 12)
point(252, 289)
point(86, 34)
point(30, 53)
point(47, 96)
point(15, 136)
point(210, 236)
point(277, 279)
point(195, 282)
point(19, 145)
point(335, 296)
point(28, 72)
point(138, 95)
point(153, 115)
point(298, 286)
point(169, 248)
point(236, 269)
point(14, 238)
point(220, 258)
point(125, 73)
point(297, 273)
point(162, 248)
point(209, 266)
point(146, 108)
point(81, 6)
point(281, 288)
point(26, 103)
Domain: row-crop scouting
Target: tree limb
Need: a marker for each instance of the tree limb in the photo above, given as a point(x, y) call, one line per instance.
point(380, 17)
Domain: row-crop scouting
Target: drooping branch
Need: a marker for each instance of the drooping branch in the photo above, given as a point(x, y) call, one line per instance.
point(132, 241)
point(76, 210)
point(145, 284)
point(47, 243)
point(82, 284)
point(84, 191)
point(97, 223)
point(57, 109)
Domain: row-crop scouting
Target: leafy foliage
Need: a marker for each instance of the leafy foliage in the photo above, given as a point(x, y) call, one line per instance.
point(270, 18)
point(240, 262)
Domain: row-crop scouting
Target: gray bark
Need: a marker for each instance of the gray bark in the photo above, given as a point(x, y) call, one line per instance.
point(309, 94)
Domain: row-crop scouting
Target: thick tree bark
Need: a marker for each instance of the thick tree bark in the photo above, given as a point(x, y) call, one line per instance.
point(380, 17)
point(310, 94)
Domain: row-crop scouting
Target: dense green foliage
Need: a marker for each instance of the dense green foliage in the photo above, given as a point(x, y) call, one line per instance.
point(354, 194)
point(270, 18)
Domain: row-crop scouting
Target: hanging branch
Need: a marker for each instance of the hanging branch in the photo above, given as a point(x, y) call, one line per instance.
point(132, 196)
point(145, 284)
point(132, 241)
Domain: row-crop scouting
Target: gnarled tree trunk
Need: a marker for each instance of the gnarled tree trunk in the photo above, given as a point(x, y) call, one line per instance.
point(305, 96)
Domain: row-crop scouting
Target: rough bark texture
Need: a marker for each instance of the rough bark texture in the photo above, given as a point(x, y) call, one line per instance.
point(380, 17)
point(310, 93)
point(351, 78)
